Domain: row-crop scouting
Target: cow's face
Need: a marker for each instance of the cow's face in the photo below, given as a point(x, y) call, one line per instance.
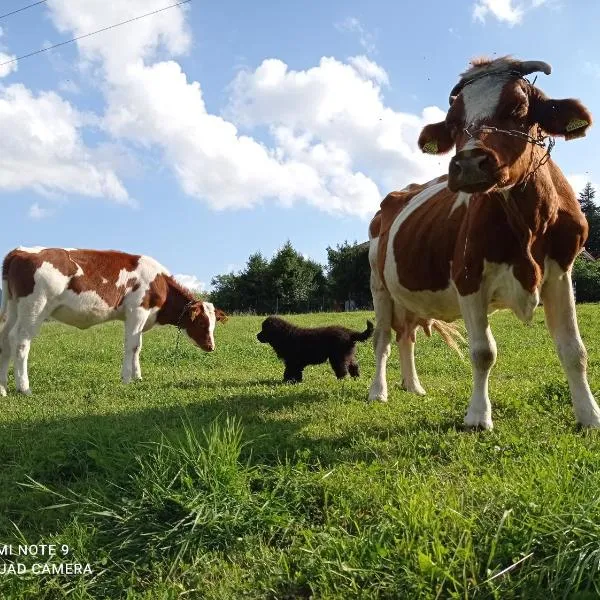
point(200, 326)
point(495, 116)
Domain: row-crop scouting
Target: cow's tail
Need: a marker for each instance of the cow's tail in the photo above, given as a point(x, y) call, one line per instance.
point(365, 335)
point(449, 332)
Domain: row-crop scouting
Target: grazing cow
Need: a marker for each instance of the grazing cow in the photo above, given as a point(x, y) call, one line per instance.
point(86, 287)
point(501, 230)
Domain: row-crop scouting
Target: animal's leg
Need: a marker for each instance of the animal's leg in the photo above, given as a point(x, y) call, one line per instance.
point(339, 366)
point(406, 349)
point(561, 319)
point(292, 373)
point(136, 368)
point(134, 325)
point(483, 356)
point(5, 348)
point(31, 313)
point(382, 303)
point(353, 367)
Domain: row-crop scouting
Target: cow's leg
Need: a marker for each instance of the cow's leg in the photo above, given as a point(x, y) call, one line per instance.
point(134, 325)
point(382, 302)
point(5, 347)
point(136, 368)
point(561, 318)
point(483, 352)
point(31, 313)
point(406, 349)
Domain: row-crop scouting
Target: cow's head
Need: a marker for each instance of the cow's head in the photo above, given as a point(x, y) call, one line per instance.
point(200, 323)
point(494, 120)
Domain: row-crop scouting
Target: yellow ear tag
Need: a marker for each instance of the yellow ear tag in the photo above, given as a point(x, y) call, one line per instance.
point(574, 124)
point(431, 147)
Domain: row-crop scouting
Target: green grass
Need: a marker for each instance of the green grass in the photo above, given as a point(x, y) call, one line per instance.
point(212, 479)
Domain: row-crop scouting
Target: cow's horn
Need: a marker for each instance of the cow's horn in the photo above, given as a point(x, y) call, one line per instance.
point(533, 66)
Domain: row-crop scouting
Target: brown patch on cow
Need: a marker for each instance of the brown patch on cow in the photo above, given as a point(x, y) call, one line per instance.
point(375, 225)
point(101, 271)
point(19, 268)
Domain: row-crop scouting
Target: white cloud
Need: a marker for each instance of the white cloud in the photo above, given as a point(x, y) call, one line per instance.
point(191, 282)
point(41, 148)
point(365, 38)
point(328, 125)
point(37, 212)
point(7, 69)
point(332, 118)
point(508, 11)
point(369, 69)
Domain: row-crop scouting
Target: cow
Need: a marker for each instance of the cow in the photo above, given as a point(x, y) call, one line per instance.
point(500, 230)
point(87, 287)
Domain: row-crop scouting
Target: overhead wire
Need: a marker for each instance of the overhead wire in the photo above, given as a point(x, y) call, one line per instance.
point(14, 12)
point(85, 35)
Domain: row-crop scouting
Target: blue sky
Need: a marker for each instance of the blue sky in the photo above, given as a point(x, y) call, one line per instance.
point(207, 132)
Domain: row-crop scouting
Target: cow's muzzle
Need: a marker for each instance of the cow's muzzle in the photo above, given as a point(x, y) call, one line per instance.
point(473, 171)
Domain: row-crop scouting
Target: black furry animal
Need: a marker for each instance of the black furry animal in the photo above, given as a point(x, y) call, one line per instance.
point(302, 346)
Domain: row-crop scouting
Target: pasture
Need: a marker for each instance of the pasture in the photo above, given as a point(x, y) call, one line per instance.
point(211, 479)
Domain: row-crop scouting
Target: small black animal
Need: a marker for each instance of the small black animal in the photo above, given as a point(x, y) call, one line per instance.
point(302, 346)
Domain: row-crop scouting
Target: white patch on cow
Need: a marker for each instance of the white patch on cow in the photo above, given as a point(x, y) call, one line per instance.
point(481, 98)
point(504, 290)
point(31, 249)
point(104, 280)
point(463, 198)
point(209, 309)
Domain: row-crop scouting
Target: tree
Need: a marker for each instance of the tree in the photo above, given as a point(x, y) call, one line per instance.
point(296, 282)
point(592, 214)
point(288, 283)
point(255, 285)
point(349, 273)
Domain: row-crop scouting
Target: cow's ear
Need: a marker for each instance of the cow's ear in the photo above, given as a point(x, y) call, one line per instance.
point(566, 118)
point(220, 315)
point(196, 310)
point(436, 139)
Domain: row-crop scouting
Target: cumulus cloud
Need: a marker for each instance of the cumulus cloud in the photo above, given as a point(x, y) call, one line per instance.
point(191, 282)
point(507, 11)
point(41, 148)
point(333, 142)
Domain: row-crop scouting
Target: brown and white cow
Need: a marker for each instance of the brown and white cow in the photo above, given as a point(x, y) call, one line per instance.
point(501, 230)
point(86, 287)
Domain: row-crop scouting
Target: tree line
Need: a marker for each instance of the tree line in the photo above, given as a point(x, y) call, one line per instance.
point(292, 283)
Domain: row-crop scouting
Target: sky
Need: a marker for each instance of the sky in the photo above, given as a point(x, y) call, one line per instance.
point(212, 130)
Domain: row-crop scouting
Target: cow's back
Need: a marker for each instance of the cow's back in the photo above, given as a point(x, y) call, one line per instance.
point(80, 287)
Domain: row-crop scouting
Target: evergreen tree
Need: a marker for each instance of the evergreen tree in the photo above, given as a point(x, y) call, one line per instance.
point(592, 214)
point(349, 274)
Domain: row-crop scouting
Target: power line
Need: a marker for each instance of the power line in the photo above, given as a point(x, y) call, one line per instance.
point(14, 12)
point(80, 37)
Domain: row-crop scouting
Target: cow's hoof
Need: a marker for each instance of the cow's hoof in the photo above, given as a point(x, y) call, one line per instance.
point(26, 392)
point(417, 389)
point(478, 421)
point(377, 397)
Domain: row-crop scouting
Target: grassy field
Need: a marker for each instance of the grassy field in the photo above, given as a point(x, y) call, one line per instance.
point(211, 479)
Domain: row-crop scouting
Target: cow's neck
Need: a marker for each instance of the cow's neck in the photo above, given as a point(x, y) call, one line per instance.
point(174, 309)
point(532, 205)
